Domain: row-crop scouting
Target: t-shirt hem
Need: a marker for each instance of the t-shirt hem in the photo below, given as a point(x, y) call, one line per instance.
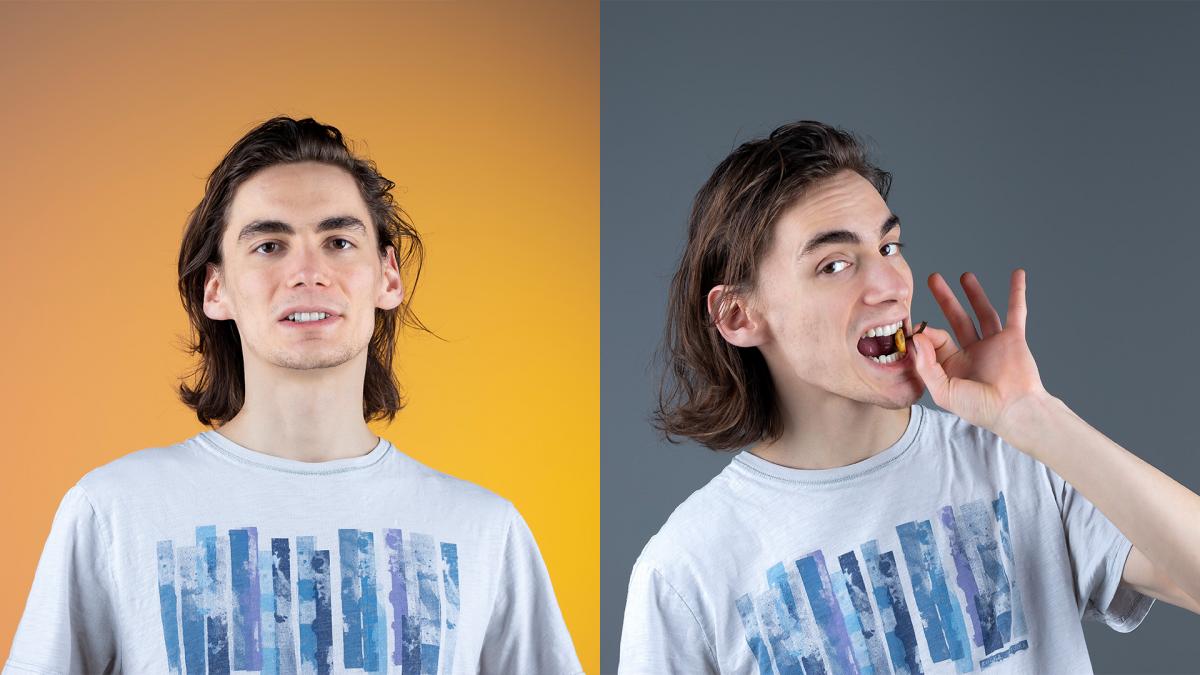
point(12, 665)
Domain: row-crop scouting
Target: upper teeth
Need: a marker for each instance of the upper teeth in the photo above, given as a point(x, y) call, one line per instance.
point(884, 330)
point(307, 316)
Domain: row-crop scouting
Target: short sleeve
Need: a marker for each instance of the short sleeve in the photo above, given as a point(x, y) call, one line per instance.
point(1098, 552)
point(661, 633)
point(526, 632)
point(68, 625)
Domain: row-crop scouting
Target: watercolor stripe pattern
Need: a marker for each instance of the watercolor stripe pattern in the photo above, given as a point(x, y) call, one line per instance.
point(228, 606)
point(854, 616)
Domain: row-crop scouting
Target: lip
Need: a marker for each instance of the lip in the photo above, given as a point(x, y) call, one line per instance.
point(306, 308)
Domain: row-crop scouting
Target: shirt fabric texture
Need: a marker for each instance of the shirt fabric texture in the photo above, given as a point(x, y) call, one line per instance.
point(207, 556)
point(948, 552)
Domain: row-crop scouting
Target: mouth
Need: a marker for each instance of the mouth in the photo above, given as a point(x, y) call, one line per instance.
point(887, 344)
point(308, 321)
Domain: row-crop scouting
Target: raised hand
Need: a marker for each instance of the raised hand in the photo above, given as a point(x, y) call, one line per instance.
point(983, 379)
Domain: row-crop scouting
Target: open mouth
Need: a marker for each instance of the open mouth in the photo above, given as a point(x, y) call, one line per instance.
point(887, 344)
point(312, 320)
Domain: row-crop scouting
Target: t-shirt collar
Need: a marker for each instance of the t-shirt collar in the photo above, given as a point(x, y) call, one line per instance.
point(762, 467)
point(213, 440)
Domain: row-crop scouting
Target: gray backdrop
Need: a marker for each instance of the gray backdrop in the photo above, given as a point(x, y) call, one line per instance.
point(1062, 137)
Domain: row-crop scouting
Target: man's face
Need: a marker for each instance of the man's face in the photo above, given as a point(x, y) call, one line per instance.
point(267, 270)
point(816, 300)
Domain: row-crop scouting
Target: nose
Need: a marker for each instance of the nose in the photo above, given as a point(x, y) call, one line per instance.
point(308, 267)
point(887, 281)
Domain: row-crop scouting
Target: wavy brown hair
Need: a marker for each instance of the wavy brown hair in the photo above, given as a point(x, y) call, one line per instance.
point(219, 391)
point(711, 391)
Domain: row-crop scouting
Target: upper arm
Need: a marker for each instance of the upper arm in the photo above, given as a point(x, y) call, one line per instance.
point(1149, 579)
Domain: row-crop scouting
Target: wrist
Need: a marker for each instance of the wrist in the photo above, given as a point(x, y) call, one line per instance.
point(1028, 418)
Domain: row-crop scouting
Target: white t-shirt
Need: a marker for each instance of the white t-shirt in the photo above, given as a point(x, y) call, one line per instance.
point(207, 556)
point(948, 552)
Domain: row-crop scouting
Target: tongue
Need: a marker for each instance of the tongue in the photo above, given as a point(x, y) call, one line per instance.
point(877, 346)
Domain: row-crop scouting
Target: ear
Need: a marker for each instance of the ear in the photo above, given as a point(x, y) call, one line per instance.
point(391, 294)
point(737, 321)
point(214, 294)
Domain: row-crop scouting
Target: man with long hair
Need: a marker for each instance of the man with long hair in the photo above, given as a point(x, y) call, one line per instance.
point(859, 531)
point(289, 538)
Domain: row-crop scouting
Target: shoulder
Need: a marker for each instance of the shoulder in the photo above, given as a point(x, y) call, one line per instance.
point(146, 467)
point(959, 434)
point(954, 435)
point(464, 497)
point(685, 540)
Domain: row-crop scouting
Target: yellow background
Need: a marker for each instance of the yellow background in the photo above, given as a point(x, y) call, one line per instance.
point(486, 115)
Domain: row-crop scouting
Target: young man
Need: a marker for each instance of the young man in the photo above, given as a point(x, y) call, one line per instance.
point(290, 538)
point(861, 531)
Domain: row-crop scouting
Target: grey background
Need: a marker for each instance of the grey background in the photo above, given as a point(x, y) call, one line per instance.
point(1061, 137)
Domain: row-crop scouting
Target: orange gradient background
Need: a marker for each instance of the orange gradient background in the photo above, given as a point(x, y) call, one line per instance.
point(486, 115)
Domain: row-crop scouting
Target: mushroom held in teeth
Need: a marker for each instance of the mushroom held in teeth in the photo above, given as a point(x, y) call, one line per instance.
point(900, 337)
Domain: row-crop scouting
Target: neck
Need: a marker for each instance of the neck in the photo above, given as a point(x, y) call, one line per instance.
point(310, 415)
point(826, 431)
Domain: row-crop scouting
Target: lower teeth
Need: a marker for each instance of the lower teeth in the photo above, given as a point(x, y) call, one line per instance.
point(888, 358)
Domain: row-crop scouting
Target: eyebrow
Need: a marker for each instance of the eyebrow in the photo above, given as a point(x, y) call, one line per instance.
point(846, 236)
point(258, 227)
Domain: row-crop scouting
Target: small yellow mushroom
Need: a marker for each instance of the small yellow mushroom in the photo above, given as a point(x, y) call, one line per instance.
point(900, 341)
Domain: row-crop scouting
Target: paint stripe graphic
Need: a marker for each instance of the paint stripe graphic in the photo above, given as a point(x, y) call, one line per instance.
point(813, 618)
point(745, 608)
point(827, 613)
point(876, 652)
point(450, 584)
point(901, 637)
point(281, 576)
point(243, 551)
point(224, 592)
point(944, 628)
point(266, 617)
point(166, 601)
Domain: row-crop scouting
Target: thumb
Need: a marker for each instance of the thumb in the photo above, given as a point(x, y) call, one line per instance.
point(929, 370)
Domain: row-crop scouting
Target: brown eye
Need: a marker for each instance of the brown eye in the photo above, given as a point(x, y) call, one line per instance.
point(266, 243)
point(828, 269)
point(897, 244)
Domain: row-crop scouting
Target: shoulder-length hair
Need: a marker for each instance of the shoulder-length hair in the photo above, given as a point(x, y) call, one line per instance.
point(711, 391)
point(219, 391)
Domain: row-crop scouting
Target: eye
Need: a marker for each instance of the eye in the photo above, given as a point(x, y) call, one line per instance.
point(897, 244)
point(828, 269)
point(349, 245)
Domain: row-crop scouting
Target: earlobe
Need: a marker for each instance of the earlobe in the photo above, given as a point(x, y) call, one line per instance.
point(734, 317)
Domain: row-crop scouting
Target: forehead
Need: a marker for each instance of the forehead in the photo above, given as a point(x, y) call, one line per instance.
point(844, 201)
point(301, 193)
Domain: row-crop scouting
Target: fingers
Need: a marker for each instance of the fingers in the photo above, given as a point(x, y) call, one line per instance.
point(989, 320)
point(940, 340)
point(1016, 301)
point(964, 328)
point(929, 368)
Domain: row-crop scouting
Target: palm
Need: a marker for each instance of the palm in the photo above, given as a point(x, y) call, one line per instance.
point(993, 368)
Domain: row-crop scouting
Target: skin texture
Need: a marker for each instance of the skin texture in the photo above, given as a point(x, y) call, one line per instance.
point(304, 386)
point(806, 314)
